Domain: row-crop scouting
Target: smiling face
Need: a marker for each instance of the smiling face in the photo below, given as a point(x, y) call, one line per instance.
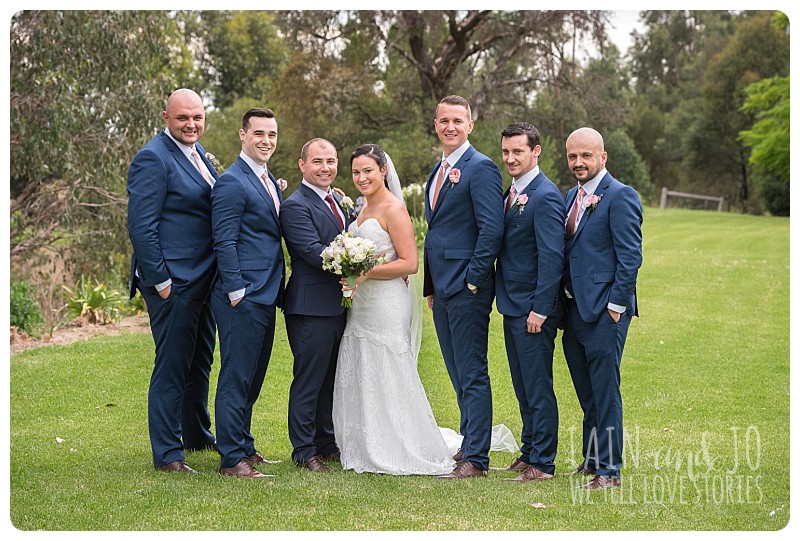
point(260, 138)
point(368, 176)
point(319, 167)
point(185, 116)
point(453, 126)
point(585, 154)
point(518, 156)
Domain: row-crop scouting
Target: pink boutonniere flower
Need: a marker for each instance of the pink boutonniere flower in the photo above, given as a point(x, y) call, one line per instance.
point(282, 184)
point(455, 176)
point(522, 200)
point(591, 203)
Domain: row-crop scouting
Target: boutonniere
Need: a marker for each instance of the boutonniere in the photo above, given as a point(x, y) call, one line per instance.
point(522, 200)
point(591, 203)
point(282, 184)
point(454, 177)
point(346, 203)
point(213, 159)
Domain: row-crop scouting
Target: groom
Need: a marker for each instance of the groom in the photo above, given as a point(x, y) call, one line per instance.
point(464, 209)
point(310, 219)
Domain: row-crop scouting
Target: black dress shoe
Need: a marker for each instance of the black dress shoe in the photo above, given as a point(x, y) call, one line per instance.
point(314, 464)
point(463, 470)
point(583, 470)
point(518, 465)
point(179, 466)
point(243, 469)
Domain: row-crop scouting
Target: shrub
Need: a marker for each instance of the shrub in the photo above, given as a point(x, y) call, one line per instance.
point(25, 312)
point(96, 304)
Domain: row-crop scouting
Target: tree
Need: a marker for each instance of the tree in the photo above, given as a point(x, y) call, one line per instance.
point(86, 91)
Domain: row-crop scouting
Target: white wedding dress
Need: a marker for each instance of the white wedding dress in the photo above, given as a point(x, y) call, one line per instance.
point(381, 415)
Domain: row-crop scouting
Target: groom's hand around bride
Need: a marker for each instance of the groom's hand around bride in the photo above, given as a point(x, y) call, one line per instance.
point(430, 301)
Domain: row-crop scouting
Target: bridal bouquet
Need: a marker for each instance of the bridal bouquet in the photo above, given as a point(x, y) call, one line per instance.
point(350, 256)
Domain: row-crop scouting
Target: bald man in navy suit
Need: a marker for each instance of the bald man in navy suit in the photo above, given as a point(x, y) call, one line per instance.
point(603, 253)
point(173, 265)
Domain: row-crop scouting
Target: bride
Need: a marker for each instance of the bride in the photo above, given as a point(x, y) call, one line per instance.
point(381, 415)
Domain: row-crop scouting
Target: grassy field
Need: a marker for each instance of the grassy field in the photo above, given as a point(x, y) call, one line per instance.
point(705, 381)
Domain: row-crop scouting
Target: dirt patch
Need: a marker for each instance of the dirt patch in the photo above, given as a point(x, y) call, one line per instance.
point(77, 332)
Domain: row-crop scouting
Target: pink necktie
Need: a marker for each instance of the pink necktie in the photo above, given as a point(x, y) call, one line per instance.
point(271, 191)
point(439, 182)
point(202, 169)
point(573, 214)
point(332, 203)
point(512, 194)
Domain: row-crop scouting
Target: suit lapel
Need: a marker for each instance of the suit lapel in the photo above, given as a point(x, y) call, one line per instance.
point(183, 161)
point(587, 214)
point(259, 187)
point(461, 165)
point(322, 205)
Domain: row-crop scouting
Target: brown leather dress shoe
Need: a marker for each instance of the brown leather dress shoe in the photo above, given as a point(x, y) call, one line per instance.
point(314, 464)
point(583, 470)
point(244, 468)
point(602, 482)
point(532, 473)
point(179, 466)
point(459, 456)
point(518, 465)
point(333, 457)
point(258, 458)
point(463, 470)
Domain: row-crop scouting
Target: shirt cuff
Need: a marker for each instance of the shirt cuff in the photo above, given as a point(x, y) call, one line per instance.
point(539, 315)
point(617, 307)
point(238, 294)
point(164, 285)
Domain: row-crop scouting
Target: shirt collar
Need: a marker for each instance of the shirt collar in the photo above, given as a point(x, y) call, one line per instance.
point(454, 156)
point(591, 185)
point(522, 182)
point(319, 191)
point(257, 168)
point(187, 150)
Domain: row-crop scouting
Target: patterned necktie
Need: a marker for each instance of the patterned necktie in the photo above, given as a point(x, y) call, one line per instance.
point(573, 214)
point(271, 191)
point(439, 182)
point(202, 169)
point(332, 203)
point(512, 194)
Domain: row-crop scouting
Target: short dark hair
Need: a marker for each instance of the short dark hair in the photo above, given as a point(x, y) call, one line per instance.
point(455, 100)
point(373, 151)
point(522, 128)
point(258, 112)
point(304, 150)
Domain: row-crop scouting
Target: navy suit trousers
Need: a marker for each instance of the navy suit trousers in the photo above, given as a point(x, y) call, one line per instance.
point(246, 334)
point(177, 401)
point(594, 353)
point(462, 326)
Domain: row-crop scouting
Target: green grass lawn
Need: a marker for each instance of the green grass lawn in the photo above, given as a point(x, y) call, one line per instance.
point(705, 383)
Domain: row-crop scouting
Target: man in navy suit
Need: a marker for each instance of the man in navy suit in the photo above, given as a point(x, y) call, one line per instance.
point(602, 257)
point(311, 218)
point(464, 209)
point(173, 265)
point(245, 203)
point(529, 269)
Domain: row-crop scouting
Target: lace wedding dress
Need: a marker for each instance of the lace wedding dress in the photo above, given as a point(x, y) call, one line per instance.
point(381, 415)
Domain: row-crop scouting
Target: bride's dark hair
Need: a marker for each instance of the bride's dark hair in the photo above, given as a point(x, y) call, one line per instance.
point(373, 151)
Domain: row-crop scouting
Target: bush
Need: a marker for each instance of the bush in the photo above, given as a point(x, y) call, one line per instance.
point(25, 312)
point(97, 305)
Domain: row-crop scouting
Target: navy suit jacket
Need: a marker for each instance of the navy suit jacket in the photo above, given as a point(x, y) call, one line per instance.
point(169, 220)
point(604, 255)
point(309, 227)
point(531, 261)
point(465, 230)
point(247, 236)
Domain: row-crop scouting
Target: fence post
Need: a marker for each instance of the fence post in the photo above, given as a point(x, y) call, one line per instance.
point(664, 192)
